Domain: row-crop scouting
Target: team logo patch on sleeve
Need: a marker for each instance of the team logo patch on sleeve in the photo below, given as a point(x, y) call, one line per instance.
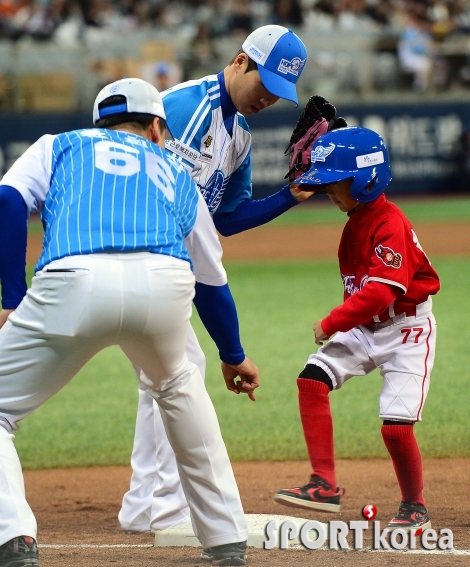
point(388, 256)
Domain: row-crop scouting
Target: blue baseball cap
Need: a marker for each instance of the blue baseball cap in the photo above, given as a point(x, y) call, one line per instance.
point(280, 55)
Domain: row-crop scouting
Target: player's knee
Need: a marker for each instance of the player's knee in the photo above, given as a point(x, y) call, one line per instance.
point(314, 372)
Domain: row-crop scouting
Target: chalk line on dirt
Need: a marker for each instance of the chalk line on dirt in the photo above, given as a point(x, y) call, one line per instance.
point(146, 546)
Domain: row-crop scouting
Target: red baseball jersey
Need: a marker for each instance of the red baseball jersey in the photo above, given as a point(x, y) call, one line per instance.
point(378, 247)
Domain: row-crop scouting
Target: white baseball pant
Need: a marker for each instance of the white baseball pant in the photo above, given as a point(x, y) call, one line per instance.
point(156, 500)
point(142, 302)
point(403, 348)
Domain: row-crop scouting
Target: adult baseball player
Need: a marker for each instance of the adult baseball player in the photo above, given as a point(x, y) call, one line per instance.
point(120, 215)
point(385, 322)
point(212, 140)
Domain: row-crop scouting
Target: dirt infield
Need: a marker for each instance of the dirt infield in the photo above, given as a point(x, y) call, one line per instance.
point(78, 507)
point(298, 242)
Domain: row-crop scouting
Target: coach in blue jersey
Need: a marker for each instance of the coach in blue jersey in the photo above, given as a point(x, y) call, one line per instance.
point(121, 216)
point(212, 140)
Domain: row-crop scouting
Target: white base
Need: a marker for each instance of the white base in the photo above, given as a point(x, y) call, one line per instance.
point(183, 535)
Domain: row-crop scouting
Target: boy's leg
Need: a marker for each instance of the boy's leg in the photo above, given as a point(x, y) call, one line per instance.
point(328, 369)
point(317, 421)
point(321, 492)
point(406, 370)
point(401, 443)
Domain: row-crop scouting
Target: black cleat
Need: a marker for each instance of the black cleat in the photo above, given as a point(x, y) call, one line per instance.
point(20, 551)
point(226, 555)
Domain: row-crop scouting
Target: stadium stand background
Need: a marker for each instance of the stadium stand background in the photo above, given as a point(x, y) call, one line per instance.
point(56, 54)
point(400, 67)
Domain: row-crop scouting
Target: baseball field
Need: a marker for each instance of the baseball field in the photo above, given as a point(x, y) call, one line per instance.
point(284, 276)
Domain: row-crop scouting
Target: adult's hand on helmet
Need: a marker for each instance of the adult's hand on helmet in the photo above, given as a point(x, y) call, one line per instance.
point(301, 192)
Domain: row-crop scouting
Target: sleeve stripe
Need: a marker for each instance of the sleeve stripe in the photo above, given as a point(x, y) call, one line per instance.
point(198, 125)
point(204, 102)
point(389, 282)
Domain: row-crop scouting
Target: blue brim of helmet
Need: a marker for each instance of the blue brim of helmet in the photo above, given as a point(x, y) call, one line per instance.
point(322, 177)
point(278, 86)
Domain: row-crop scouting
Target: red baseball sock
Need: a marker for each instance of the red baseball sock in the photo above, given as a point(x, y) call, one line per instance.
point(401, 443)
point(317, 423)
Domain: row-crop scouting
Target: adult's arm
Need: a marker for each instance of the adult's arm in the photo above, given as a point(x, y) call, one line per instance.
point(214, 301)
point(255, 212)
point(23, 189)
point(216, 308)
point(13, 237)
point(252, 213)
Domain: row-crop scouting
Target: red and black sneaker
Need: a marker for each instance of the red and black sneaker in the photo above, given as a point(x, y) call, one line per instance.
point(410, 516)
point(316, 495)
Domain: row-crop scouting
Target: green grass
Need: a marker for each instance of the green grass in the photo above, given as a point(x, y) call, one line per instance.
point(418, 210)
point(35, 225)
point(91, 421)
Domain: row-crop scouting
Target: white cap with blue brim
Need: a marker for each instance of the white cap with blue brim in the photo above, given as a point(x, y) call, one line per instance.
point(280, 56)
point(141, 97)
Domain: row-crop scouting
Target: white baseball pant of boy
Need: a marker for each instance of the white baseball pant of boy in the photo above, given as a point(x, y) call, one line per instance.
point(403, 348)
point(142, 302)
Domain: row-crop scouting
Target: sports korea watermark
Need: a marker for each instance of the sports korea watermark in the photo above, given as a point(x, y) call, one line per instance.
point(334, 535)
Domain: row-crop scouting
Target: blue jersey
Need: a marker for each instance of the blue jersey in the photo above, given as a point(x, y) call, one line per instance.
point(106, 191)
point(212, 140)
point(110, 191)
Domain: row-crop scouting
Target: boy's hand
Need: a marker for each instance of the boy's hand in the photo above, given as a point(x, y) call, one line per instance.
point(320, 335)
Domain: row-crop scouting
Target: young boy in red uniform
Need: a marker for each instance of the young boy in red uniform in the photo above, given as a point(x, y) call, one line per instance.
point(385, 322)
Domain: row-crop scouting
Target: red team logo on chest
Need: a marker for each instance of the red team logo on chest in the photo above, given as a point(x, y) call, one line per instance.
point(388, 256)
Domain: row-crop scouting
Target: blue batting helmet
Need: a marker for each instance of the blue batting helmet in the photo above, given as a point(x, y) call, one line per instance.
point(357, 153)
